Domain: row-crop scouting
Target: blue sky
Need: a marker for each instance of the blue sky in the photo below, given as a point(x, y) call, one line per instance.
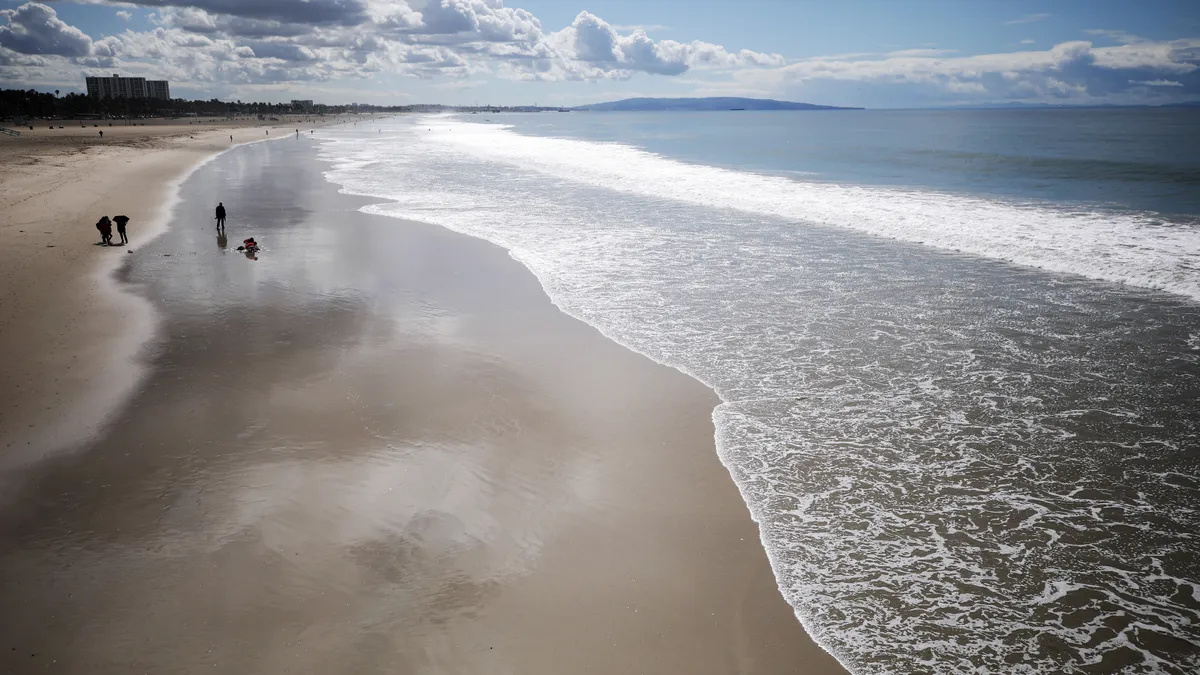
point(875, 53)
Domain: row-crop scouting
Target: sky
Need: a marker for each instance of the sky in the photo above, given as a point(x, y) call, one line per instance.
point(871, 53)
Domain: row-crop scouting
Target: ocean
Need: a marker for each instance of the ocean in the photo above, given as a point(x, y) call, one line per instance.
point(958, 351)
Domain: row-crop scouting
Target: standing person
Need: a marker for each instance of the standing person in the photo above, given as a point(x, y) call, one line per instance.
point(105, 227)
point(120, 221)
point(220, 216)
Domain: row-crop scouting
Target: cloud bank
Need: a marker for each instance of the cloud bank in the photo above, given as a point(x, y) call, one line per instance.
point(1075, 71)
point(282, 41)
point(212, 44)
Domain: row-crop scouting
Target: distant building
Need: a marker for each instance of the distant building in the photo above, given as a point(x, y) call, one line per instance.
point(305, 105)
point(158, 89)
point(127, 87)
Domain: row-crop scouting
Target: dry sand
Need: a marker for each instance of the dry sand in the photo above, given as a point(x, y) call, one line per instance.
point(377, 449)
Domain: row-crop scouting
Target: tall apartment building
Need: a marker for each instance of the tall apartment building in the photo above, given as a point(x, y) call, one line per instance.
point(127, 87)
point(158, 89)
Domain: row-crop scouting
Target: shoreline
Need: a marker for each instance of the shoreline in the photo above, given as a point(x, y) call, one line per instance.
point(551, 532)
point(68, 296)
point(804, 621)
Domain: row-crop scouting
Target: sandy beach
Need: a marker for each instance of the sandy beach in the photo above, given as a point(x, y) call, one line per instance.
point(64, 331)
point(376, 448)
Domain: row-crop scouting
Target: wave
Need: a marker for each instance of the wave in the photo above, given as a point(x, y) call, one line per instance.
point(1138, 249)
point(955, 466)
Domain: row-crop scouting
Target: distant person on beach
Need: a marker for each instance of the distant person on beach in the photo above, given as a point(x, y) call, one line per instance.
point(101, 133)
point(250, 248)
point(121, 221)
point(105, 227)
point(221, 216)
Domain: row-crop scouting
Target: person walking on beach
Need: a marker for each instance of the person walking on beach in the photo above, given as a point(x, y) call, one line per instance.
point(105, 227)
point(120, 221)
point(221, 216)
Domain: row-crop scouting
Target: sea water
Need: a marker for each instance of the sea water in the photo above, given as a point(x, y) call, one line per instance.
point(959, 352)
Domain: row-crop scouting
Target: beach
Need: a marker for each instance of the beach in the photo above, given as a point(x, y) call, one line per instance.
point(378, 447)
point(952, 389)
point(63, 329)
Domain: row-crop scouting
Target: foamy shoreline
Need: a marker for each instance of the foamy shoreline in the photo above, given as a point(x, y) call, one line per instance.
point(824, 342)
point(400, 455)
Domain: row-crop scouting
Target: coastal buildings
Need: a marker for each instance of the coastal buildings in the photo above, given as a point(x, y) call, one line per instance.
point(159, 89)
point(127, 87)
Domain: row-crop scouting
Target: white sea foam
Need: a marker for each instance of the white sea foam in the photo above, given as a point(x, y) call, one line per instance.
point(1138, 249)
point(937, 450)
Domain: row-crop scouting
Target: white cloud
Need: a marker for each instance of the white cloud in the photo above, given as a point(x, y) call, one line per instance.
point(921, 52)
point(1071, 71)
point(1027, 41)
point(211, 44)
point(459, 84)
point(34, 28)
point(592, 41)
point(644, 27)
point(1028, 18)
point(1118, 36)
point(1157, 83)
point(124, 15)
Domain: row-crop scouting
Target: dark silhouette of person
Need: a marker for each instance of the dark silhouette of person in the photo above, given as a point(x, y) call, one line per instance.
point(105, 227)
point(121, 221)
point(101, 133)
point(220, 216)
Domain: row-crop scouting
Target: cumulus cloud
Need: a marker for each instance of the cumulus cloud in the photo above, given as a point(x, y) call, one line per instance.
point(1067, 70)
point(592, 41)
point(207, 43)
point(312, 12)
point(424, 38)
point(124, 15)
point(34, 28)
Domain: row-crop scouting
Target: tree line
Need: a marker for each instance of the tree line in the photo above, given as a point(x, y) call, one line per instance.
point(32, 103)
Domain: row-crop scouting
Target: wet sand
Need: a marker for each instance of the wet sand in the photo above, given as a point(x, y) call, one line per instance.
point(380, 449)
point(66, 336)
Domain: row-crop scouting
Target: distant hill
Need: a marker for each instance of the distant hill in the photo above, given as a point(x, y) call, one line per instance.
point(717, 103)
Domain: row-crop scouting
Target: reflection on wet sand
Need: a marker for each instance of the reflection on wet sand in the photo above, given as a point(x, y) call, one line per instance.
point(391, 458)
